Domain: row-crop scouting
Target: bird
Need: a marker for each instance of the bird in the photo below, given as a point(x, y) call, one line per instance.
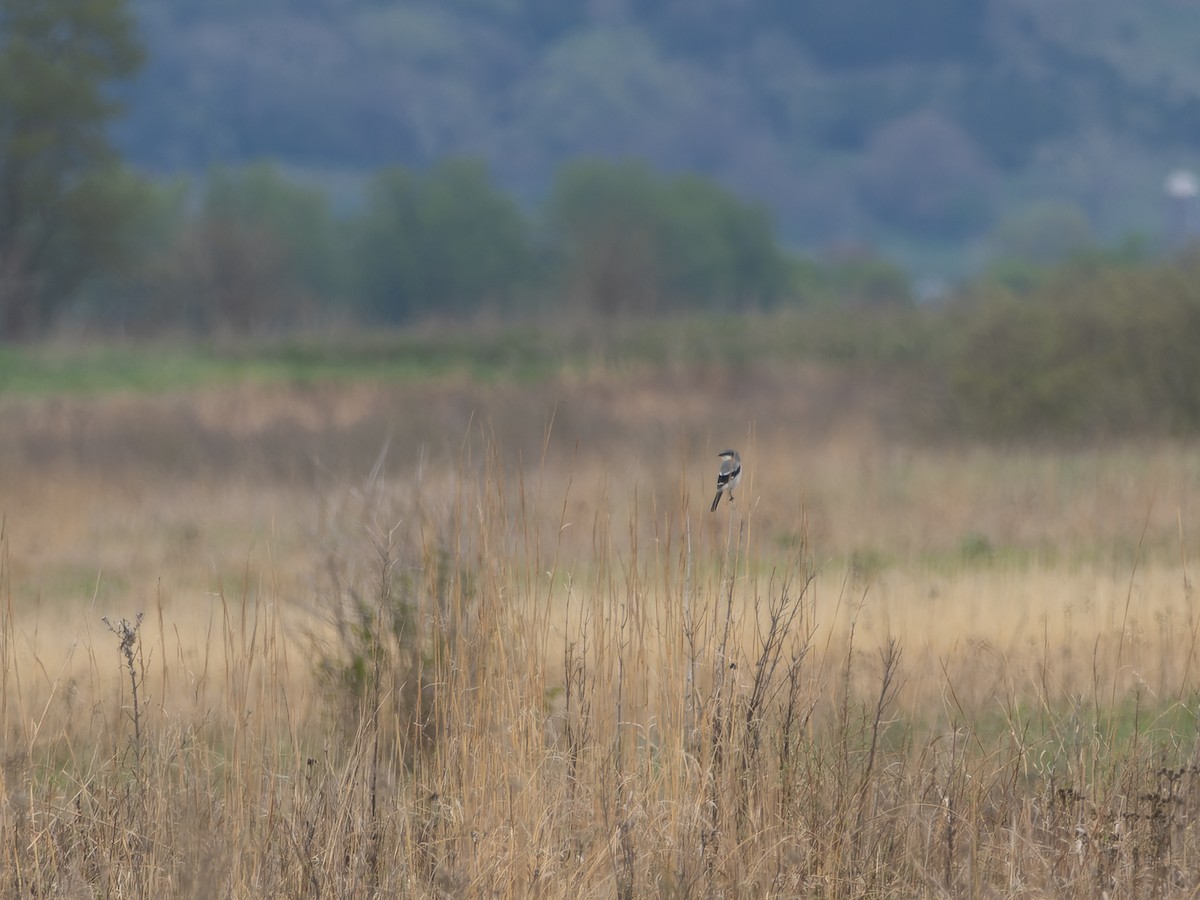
point(728, 475)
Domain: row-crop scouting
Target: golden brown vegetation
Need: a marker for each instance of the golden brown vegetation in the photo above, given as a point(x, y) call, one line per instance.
point(454, 639)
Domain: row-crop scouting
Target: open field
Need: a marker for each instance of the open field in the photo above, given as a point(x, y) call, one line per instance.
point(459, 636)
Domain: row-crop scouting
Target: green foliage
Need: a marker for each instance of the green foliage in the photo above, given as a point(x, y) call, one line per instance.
point(975, 548)
point(61, 213)
point(1034, 248)
point(856, 281)
point(261, 251)
point(1026, 247)
point(1094, 348)
point(717, 249)
point(131, 293)
point(1044, 233)
point(443, 243)
point(298, 219)
point(602, 219)
point(372, 638)
point(632, 240)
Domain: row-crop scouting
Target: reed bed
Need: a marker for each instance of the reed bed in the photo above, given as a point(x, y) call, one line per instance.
point(531, 681)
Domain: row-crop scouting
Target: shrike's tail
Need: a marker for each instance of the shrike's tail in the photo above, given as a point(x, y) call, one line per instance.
point(716, 500)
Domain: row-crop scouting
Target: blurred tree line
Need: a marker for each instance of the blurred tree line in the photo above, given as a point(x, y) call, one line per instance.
point(248, 249)
point(1057, 335)
point(252, 251)
point(914, 126)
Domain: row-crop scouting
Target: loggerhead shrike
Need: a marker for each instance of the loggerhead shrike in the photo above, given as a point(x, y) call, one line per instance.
point(729, 475)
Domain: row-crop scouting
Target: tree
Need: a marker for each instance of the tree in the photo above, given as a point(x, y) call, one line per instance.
point(137, 294)
point(632, 240)
point(219, 270)
point(60, 214)
point(603, 218)
point(719, 251)
point(923, 174)
point(442, 242)
point(227, 277)
point(296, 218)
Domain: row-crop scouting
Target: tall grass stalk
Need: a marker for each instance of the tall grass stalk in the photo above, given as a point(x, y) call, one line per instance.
point(463, 707)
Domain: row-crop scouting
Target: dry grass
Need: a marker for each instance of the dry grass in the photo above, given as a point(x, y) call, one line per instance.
point(508, 657)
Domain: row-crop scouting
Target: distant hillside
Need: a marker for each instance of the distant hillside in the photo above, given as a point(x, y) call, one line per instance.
point(915, 126)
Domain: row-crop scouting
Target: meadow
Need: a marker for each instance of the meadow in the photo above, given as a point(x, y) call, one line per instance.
point(367, 625)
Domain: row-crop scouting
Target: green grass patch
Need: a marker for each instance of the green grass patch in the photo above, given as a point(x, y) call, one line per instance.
point(520, 351)
point(55, 369)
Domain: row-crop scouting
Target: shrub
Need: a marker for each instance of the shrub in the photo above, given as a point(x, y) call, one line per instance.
point(399, 610)
point(1093, 350)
